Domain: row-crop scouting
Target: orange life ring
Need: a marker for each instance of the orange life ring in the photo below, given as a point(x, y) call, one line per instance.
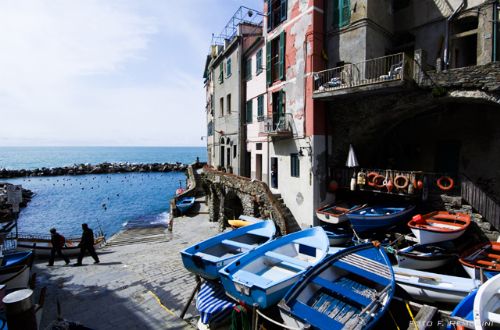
point(449, 186)
point(377, 178)
point(403, 185)
point(370, 178)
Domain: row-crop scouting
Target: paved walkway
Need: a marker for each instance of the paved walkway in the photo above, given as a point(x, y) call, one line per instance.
point(142, 285)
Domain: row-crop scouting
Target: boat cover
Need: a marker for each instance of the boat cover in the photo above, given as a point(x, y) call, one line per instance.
point(212, 302)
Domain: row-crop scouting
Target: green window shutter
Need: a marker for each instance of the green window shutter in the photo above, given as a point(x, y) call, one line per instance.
point(336, 12)
point(281, 56)
point(228, 67)
point(269, 15)
point(268, 63)
point(221, 72)
point(284, 9)
point(249, 111)
point(260, 106)
point(248, 69)
point(345, 12)
point(280, 103)
point(258, 60)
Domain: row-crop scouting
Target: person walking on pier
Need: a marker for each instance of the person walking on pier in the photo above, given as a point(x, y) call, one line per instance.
point(87, 244)
point(57, 240)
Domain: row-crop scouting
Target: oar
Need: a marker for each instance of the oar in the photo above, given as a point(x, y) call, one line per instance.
point(419, 276)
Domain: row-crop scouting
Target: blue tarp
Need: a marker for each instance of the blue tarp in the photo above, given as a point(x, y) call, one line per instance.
point(212, 302)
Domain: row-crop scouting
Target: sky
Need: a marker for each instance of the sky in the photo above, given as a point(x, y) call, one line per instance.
point(106, 73)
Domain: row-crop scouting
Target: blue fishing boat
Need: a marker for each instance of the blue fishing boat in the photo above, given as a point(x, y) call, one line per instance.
point(374, 218)
point(465, 310)
point(17, 258)
point(351, 289)
point(184, 204)
point(264, 275)
point(208, 257)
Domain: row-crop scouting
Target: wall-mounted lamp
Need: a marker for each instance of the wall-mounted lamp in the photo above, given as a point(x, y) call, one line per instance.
point(308, 149)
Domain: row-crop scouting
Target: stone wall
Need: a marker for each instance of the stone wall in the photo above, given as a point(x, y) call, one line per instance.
point(484, 78)
point(255, 196)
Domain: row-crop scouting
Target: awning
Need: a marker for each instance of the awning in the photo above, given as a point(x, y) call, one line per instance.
point(212, 302)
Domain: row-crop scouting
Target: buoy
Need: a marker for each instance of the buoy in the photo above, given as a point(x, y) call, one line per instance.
point(449, 183)
point(333, 186)
point(379, 181)
point(370, 178)
point(420, 184)
point(389, 185)
point(401, 182)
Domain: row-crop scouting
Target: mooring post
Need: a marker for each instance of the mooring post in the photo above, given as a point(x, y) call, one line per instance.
point(197, 287)
point(20, 310)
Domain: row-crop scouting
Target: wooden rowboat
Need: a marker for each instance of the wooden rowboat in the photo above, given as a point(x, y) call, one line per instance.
point(439, 226)
point(336, 212)
point(42, 246)
point(484, 257)
point(373, 218)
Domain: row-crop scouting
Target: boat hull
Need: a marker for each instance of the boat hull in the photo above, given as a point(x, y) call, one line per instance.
point(43, 248)
point(428, 237)
point(16, 277)
point(431, 287)
point(439, 226)
point(370, 218)
point(487, 305)
point(482, 258)
point(332, 214)
point(184, 204)
point(422, 257)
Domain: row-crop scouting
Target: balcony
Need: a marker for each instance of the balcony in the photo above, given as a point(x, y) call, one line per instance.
point(279, 126)
point(371, 76)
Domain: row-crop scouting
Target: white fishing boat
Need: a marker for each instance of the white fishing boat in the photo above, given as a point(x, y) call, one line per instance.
point(487, 305)
point(439, 226)
point(432, 287)
point(42, 246)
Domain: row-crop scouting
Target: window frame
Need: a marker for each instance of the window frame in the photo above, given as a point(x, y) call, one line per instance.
point(221, 73)
point(221, 107)
point(249, 112)
point(260, 107)
point(248, 69)
point(294, 165)
point(258, 62)
point(228, 103)
point(228, 68)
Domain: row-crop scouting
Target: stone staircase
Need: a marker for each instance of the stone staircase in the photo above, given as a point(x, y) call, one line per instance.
point(290, 221)
point(139, 235)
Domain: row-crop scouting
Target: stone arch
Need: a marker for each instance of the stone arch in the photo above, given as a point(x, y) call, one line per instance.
point(233, 206)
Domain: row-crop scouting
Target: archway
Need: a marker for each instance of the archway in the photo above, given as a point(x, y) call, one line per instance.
point(233, 207)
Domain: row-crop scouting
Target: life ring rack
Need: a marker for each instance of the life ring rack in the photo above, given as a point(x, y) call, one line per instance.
point(450, 183)
point(370, 178)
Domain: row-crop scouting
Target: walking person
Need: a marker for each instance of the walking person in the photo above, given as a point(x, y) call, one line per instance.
point(57, 240)
point(87, 244)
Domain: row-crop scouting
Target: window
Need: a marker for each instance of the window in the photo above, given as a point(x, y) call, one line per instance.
point(258, 61)
point(228, 68)
point(341, 12)
point(248, 69)
point(276, 13)
point(212, 105)
point(258, 146)
point(210, 128)
point(275, 59)
point(294, 165)
point(221, 106)
point(228, 103)
point(221, 73)
point(249, 112)
point(235, 151)
point(278, 109)
point(260, 107)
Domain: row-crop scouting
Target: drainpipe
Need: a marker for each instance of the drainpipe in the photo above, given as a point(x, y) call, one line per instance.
point(447, 33)
point(495, 30)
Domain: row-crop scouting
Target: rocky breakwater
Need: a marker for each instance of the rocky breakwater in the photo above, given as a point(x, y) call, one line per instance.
point(104, 168)
point(7, 210)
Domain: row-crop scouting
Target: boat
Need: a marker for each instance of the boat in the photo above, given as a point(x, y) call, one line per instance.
point(484, 258)
point(372, 218)
point(184, 204)
point(464, 310)
point(15, 277)
point(439, 226)
point(351, 289)
point(487, 305)
point(424, 256)
point(264, 275)
point(431, 287)
point(338, 235)
point(244, 220)
point(336, 212)
point(17, 258)
point(42, 246)
point(208, 257)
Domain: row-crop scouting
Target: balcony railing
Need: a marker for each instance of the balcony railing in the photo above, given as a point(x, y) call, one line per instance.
point(378, 70)
point(277, 125)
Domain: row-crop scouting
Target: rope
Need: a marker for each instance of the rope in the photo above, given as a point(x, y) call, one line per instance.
point(394, 320)
point(411, 315)
point(275, 322)
point(239, 310)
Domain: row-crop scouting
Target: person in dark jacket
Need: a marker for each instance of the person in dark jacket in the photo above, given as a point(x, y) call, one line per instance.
point(87, 244)
point(57, 241)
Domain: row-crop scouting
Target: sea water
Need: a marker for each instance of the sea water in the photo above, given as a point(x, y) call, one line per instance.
point(104, 201)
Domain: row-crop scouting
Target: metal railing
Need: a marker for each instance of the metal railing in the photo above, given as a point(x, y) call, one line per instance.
point(277, 124)
point(373, 71)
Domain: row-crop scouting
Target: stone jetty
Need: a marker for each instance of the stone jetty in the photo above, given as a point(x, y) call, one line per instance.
point(103, 168)
point(7, 213)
